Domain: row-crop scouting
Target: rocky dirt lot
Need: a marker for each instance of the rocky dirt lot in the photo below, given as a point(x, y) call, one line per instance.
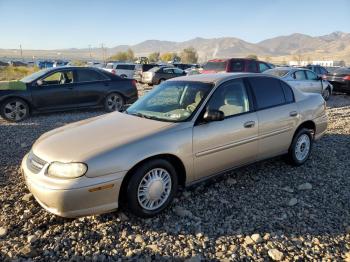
point(266, 211)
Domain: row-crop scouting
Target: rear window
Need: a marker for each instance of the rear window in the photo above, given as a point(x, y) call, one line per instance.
point(215, 66)
point(125, 67)
point(267, 91)
point(277, 72)
point(147, 67)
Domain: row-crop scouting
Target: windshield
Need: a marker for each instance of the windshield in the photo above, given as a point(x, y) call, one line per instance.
point(277, 72)
point(215, 66)
point(34, 76)
point(173, 101)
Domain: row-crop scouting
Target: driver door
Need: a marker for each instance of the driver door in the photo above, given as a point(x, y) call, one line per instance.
point(56, 91)
point(221, 145)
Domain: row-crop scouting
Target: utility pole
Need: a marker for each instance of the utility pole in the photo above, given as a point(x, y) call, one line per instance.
point(103, 53)
point(90, 52)
point(20, 47)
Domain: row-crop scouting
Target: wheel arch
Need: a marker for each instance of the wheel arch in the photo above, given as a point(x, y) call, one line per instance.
point(308, 124)
point(174, 160)
point(30, 106)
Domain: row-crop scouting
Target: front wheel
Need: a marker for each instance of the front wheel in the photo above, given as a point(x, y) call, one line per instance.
point(114, 102)
point(300, 148)
point(151, 188)
point(14, 110)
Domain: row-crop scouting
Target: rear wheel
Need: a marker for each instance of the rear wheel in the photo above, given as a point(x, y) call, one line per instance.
point(114, 102)
point(123, 76)
point(14, 109)
point(326, 93)
point(300, 148)
point(151, 188)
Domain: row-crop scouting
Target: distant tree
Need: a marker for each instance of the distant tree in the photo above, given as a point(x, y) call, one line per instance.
point(189, 55)
point(252, 56)
point(78, 63)
point(154, 57)
point(123, 56)
point(268, 59)
point(166, 57)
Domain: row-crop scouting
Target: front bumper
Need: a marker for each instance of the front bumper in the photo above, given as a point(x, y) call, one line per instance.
point(74, 197)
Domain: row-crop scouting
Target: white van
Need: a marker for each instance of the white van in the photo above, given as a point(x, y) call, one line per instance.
point(123, 70)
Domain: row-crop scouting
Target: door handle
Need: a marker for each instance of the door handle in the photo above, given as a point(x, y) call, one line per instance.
point(249, 124)
point(293, 113)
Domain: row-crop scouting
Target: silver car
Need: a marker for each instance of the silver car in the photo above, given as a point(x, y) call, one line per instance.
point(183, 131)
point(303, 79)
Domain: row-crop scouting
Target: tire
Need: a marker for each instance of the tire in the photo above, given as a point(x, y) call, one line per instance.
point(140, 204)
point(326, 94)
point(161, 81)
point(14, 110)
point(114, 102)
point(123, 76)
point(301, 147)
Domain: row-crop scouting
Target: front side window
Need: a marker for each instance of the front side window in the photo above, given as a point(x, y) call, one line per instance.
point(85, 75)
point(172, 101)
point(58, 78)
point(267, 91)
point(178, 71)
point(311, 75)
point(230, 98)
point(299, 75)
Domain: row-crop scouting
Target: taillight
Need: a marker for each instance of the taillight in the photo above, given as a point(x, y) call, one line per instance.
point(346, 78)
point(324, 77)
point(113, 71)
point(133, 82)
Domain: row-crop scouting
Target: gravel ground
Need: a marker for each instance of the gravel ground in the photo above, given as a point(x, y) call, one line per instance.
point(266, 211)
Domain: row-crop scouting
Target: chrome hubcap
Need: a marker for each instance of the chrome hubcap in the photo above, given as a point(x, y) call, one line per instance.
point(154, 189)
point(114, 102)
point(302, 147)
point(15, 110)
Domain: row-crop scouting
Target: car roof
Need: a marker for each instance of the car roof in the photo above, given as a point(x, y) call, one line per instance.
point(216, 77)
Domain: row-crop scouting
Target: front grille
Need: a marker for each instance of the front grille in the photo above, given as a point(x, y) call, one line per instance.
point(34, 163)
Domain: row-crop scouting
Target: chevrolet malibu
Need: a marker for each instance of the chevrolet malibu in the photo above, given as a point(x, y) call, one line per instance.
point(183, 131)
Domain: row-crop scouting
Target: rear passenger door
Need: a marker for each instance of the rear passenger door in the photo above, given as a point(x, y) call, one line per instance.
point(92, 86)
point(277, 115)
point(315, 84)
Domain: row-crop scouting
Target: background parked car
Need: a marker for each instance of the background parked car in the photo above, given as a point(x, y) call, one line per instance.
point(140, 68)
point(123, 70)
point(185, 66)
point(235, 65)
point(319, 70)
point(64, 88)
point(95, 64)
point(340, 79)
point(303, 79)
point(157, 75)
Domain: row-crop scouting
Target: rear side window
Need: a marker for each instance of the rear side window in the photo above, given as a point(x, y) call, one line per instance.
point(89, 75)
point(215, 66)
point(311, 75)
point(263, 67)
point(267, 91)
point(299, 75)
point(288, 93)
point(237, 66)
point(126, 67)
point(168, 71)
point(251, 66)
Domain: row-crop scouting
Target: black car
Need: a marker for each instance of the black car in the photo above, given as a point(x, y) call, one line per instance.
point(157, 75)
point(64, 88)
point(340, 79)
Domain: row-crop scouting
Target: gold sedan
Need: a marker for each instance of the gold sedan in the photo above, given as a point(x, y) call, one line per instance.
point(183, 131)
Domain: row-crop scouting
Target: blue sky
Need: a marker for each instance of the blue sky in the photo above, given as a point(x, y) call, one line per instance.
point(40, 24)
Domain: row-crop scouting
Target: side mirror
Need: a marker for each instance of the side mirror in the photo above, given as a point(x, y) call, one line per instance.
point(213, 115)
point(39, 82)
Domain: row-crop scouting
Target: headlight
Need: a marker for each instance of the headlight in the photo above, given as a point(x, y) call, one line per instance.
point(66, 170)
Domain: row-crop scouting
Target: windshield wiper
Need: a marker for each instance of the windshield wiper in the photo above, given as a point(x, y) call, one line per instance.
point(142, 115)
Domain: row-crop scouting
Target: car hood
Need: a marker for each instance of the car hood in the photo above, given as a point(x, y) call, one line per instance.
point(85, 139)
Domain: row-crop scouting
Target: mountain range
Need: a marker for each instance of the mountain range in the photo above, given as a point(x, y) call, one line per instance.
point(334, 46)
